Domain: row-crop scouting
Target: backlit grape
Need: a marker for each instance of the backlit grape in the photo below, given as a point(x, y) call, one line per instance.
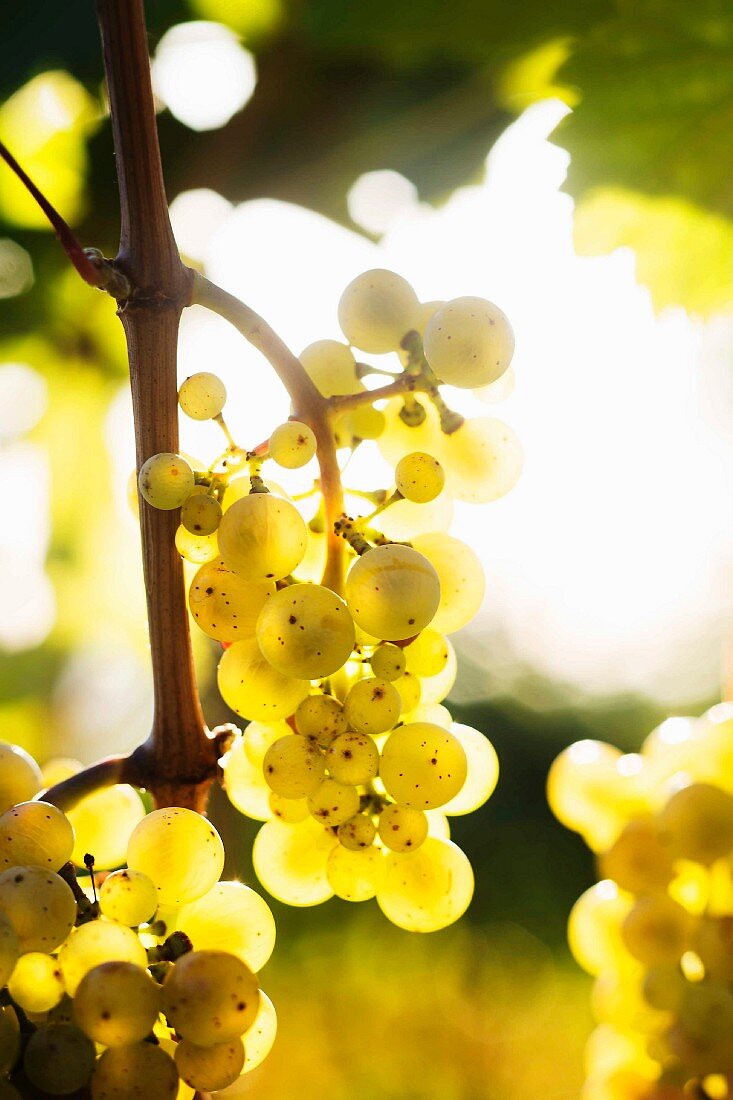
point(202, 396)
point(377, 310)
point(262, 537)
point(180, 851)
point(423, 766)
point(393, 592)
point(292, 444)
point(305, 631)
point(165, 481)
point(210, 997)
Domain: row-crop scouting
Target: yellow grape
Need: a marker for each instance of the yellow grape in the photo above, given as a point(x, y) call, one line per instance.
point(419, 477)
point(388, 662)
point(365, 422)
point(290, 810)
point(210, 1068)
point(140, 1071)
point(657, 931)
point(372, 706)
point(103, 823)
point(331, 367)
point(594, 926)
point(321, 717)
point(483, 460)
point(245, 784)
point(59, 1059)
point(225, 606)
point(357, 833)
point(422, 766)
point(409, 688)
point(404, 519)
point(638, 860)
point(253, 688)
point(240, 487)
point(290, 861)
point(400, 438)
point(39, 905)
point(402, 828)
point(165, 481)
point(20, 776)
point(262, 537)
point(434, 689)
point(9, 948)
point(426, 890)
point(663, 987)
point(428, 654)
point(697, 823)
point(432, 712)
point(37, 984)
point(94, 943)
point(258, 736)
point(231, 914)
point(200, 514)
point(128, 897)
point(198, 549)
point(180, 851)
point(461, 578)
point(438, 824)
point(292, 444)
point(261, 1035)
point(202, 396)
point(305, 631)
point(578, 780)
point(393, 591)
point(469, 342)
point(355, 876)
point(333, 803)
point(294, 767)
point(116, 1003)
point(498, 391)
point(352, 758)
point(210, 997)
point(35, 834)
point(483, 771)
point(377, 309)
point(9, 1038)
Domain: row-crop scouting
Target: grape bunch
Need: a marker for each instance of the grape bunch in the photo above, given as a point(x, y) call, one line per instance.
point(340, 660)
point(656, 930)
point(116, 982)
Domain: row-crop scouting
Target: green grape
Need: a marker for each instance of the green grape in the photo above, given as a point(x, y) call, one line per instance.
point(377, 309)
point(210, 1068)
point(103, 823)
point(365, 422)
point(201, 514)
point(657, 931)
point(294, 767)
point(469, 342)
point(638, 860)
point(331, 367)
point(410, 692)
point(37, 984)
point(400, 438)
point(697, 823)
point(210, 997)
point(202, 396)
point(663, 987)
point(483, 460)
point(292, 444)
point(483, 771)
point(258, 736)
point(180, 851)
point(355, 876)
point(372, 706)
point(426, 890)
point(59, 1059)
point(428, 654)
point(20, 776)
point(393, 592)
point(165, 481)
point(232, 914)
point(461, 578)
point(140, 1071)
point(357, 833)
point(262, 537)
point(198, 549)
point(320, 717)
point(35, 834)
point(9, 1038)
point(116, 1003)
point(402, 828)
point(305, 631)
point(423, 766)
point(39, 905)
point(9, 948)
point(290, 810)
point(419, 477)
point(94, 943)
point(128, 897)
point(705, 1011)
point(261, 1035)
point(388, 662)
point(352, 758)
point(250, 685)
point(290, 861)
point(223, 605)
point(245, 783)
point(333, 803)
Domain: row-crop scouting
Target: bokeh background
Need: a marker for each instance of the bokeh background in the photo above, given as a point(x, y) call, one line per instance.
point(573, 163)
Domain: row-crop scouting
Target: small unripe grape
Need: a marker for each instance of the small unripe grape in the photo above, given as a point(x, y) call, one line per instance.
point(262, 537)
point(37, 984)
point(372, 706)
point(201, 514)
point(94, 943)
point(140, 1071)
point(39, 905)
point(165, 481)
point(128, 897)
point(59, 1059)
point(357, 833)
point(35, 834)
point(469, 342)
point(202, 396)
point(209, 1068)
point(333, 803)
point(377, 309)
point(294, 767)
point(428, 654)
point(392, 591)
point(355, 876)
point(419, 477)
point(180, 851)
point(402, 828)
point(697, 823)
point(331, 367)
point(305, 631)
point(422, 766)
point(210, 997)
point(20, 776)
point(388, 662)
point(657, 931)
point(116, 1003)
point(290, 810)
point(224, 605)
point(321, 717)
point(292, 444)
point(352, 758)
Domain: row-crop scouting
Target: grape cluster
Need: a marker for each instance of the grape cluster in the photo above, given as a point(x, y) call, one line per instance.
point(656, 931)
point(117, 982)
point(350, 758)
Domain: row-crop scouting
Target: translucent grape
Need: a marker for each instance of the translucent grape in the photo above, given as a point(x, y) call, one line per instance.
point(461, 578)
point(20, 776)
point(428, 654)
point(198, 549)
point(388, 662)
point(225, 606)
point(294, 767)
point(321, 717)
point(245, 784)
point(288, 809)
point(305, 631)
point(140, 1071)
point(355, 876)
point(638, 860)
point(261, 1035)
point(483, 771)
point(422, 766)
point(469, 342)
point(292, 444)
point(128, 897)
point(377, 309)
point(657, 931)
point(483, 460)
point(419, 477)
point(39, 905)
point(697, 823)
point(401, 437)
point(9, 1038)
point(365, 422)
point(426, 890)
point(357, 833)
point(432, 712)
point(404, 519)
point(201, 514)
point(35, 834)
point(402, 828)
point(258, 736)
point(253, 688)
point(209, 1068)
point(231, 914)
point(410, 692)
point(393, 592)
point(262, 537)
point(116, 1003)
point(331, 367)
point(103, 823)
point(210, 997)
point(180, 851)
point(594, 926)
point(372, 706)
point(290, 861)
point(165, 481)
point(352, 758)
point(9, 948)
point(94, 943)
point(59, 1059)
point(37, 984)
point(202, 396)
point(333, 802)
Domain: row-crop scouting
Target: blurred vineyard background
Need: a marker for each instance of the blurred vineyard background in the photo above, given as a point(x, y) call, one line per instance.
point(573, 163)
